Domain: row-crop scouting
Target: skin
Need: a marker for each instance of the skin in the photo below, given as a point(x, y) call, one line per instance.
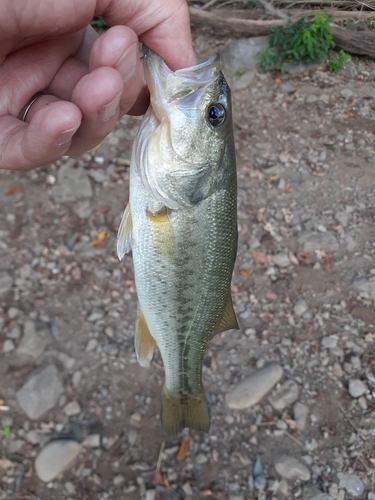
point(90, 80)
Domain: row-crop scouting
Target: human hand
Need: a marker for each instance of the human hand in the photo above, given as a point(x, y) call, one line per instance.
point(89, 80)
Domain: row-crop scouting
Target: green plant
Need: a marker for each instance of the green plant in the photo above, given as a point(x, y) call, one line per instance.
point(306, 40)
point(99, 24)
point(6, 430)
point(337, 62)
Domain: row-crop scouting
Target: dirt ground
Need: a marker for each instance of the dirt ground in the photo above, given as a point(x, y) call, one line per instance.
point(303, 289)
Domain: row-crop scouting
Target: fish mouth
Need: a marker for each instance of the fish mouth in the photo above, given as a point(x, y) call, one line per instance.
point(184, 86)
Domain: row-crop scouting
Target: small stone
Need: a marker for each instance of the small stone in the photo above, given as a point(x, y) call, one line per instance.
point(71, 409)
point(357, 388)
point(91, 345)
point(13, 312)
point(300, 412)
point(290, 468)
point(252, 389)
point(96, 315)
point(287, 394)
point(310, 241)
point(66, 360)
point(8, 346)
point(83, 209)
point(55, 458)
point(287, 88)
point(281, 260)
point(70, 488)
point(118, 480)
point(35, 339)
point(98, 177)
point(346, 93)
point(342, 218)
point(351, 483)
point(76, 378)
point(329, 342)
point(15, 333)
point(310, 99)
point(150, 495)
point(311, 492)
point(40, 392)
point(92, 441)
point(300, 307)
point(337, 370)
point(371, 496)
point(365, 288)
point(187, 489)
point(6, 283)
point(72, 184)
point(333, 490)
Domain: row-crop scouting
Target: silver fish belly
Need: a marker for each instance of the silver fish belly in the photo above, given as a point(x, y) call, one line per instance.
point(181, 226)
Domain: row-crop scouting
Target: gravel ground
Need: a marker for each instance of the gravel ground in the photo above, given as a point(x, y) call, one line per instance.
point(292, 394)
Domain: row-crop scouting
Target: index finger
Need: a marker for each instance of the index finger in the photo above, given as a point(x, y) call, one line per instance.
point(164, 26)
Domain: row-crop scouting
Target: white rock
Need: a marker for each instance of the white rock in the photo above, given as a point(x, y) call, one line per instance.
point(8, 346)
point(351, 483)
point(40, 392)
point(150, 495)
point(300, 307)
point(310, 241)
point(6, 283)
point(357, 388)
point(252, 389)
point(35, 339)
point(91, 345)
point(281, 260)
point(300, 412)
point(71, 409)
point(72, 184)
point(365, 288)
point(290, 468)
point(92, 440)
point(287, 394)
point(55, 458)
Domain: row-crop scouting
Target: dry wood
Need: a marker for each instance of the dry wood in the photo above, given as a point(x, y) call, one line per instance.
point(295, 14)
point(354, 42)
point(270, 9)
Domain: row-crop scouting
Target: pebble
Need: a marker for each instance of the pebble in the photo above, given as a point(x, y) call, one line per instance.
point(311, 492)
point(300, 413)
point(91, 345)
point(281, 260)
point(365, 288)
point(118, 480)
point(36, 338)
point(40, 392)
point(55, 458)
point(8, 346)
point(290, 468)
point(287, 394)
point(287, 88)
point(357, 388)
point(310, 241)
point(72, 184)
point(92, 440)
point(71, 409)
point(351, 483)
point(83, 209)
point(300, 307)
point(252, 389)
point(150, 495)
point(346, 93)
point(13, 312)
point(6, 283)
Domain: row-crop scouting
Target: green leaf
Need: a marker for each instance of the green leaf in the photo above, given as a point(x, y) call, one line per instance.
point(6, 430)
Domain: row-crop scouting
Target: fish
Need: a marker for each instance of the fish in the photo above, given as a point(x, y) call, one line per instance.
point(181, 225)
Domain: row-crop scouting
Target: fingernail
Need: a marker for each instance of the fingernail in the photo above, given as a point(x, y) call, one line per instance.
point(106, 112)
point(128, 62)
point(67, 135)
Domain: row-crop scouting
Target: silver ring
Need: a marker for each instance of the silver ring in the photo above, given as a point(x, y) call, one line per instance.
point(23, 113)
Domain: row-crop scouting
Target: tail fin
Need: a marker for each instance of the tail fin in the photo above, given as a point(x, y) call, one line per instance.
point(177, 414)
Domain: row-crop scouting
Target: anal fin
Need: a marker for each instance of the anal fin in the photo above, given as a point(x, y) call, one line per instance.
point(144, 342)
point(124, 235)
point(191, 412)
point(228, 320)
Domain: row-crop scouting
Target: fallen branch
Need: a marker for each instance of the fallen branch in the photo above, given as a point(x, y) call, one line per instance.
point(354, 42)
point(295, 14)
point(270, 9)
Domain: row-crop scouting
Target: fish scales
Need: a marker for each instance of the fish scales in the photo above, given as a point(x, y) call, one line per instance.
point(183, 256)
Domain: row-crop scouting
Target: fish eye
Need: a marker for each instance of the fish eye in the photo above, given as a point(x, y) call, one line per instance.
point(216, 114)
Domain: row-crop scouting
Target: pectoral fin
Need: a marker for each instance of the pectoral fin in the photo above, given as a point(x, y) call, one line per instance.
point(162, 230)
point(124, 235)
point(228, 320)
point(144, 341)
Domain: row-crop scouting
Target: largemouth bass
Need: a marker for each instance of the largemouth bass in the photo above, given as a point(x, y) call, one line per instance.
point(182, 228)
